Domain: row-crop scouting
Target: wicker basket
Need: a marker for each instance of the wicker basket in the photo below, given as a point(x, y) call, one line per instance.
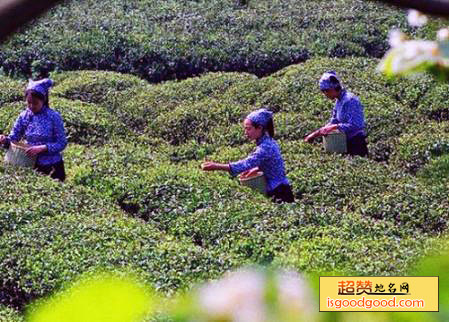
point(16, 155)
point(335, 142)
point(257, 182)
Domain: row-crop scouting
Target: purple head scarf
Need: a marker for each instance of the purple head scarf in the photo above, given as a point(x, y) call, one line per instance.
point(41, 86)
point(327, 83)
point(261, 116)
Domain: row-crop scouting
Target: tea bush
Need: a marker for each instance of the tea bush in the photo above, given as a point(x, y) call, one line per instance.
point(432, 104)
point(69, 229)
point(418, 144)
point(10, 90)
point(84, 123)
point(437, 170)
point(330, 179)
point(140, 105)
point(8, 115)
point(383, 255)
point(62, 247)
point(87, 123)
point(41, 198)
point(161, 40)
point(92, 86)
point(107, 169)
point(135, 196)
point(191, 150)
point(157, 190)
point(193, 121)
point(415, 207)
point(9, 315)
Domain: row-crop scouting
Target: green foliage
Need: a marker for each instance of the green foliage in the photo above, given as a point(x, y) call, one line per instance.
point(437, 170)
point(432, 104)
point(92, 86)
point(161, 40)
point(135, 196)
point(414, 207)
point(436, 265)
point(361, 256)
point(8, 114)
point(62, 247)
point(10, 90)
point(9, 315)
point(193, 121)
point(36, 198)
point(87, 123)
point(419, 143)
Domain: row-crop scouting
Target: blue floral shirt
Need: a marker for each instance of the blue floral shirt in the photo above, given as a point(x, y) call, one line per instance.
point(44, 127)
point(266, 156)
point(348, 114)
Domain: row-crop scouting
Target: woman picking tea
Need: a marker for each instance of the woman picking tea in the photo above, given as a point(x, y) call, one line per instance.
point(347, 116)
point(258, 127)
point(43, 130)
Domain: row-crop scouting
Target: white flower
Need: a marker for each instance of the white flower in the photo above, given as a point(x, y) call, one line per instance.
point(409, 56)
point(396, 37)
point(443, 34)
point(294, 294)
point(242, 297)
point(239, 296)
point(416, 18)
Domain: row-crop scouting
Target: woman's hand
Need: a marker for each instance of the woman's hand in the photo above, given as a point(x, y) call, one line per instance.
point(309, 138)
point(249, 173)
point(208, 166)
point(35, 150)
point(211, 166)
point(325, 130)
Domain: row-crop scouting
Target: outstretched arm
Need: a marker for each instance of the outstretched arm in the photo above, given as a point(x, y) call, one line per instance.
point(325, 130)
point(214, 166)
point(241, 166)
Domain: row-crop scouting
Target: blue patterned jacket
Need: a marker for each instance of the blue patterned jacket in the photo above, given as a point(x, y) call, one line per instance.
point(348, 113)
point(45, 127)
point(266, 156)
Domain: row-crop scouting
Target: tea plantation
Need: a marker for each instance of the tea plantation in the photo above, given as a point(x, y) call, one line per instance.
point(135, 197)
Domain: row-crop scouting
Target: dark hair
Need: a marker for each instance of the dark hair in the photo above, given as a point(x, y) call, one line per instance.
point(38, 95)
point(336, 82)
point(268, 128)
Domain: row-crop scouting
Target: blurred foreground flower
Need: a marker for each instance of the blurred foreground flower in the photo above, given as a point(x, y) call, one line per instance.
point(253, 295)
point(416, 18)
point(411, 56)
point(396, 38)
point(414, 56)
point(443, 34)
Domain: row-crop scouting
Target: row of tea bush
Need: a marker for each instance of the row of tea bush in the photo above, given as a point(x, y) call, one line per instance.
point(160, 40)
point(136, 198)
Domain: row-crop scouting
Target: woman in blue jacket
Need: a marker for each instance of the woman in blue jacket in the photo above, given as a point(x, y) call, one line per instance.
point(258, 127)
point(347, 116)
point(42, 128)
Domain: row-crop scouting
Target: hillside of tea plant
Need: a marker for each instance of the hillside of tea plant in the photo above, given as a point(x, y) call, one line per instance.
point(160, 40)
point(135, 197)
